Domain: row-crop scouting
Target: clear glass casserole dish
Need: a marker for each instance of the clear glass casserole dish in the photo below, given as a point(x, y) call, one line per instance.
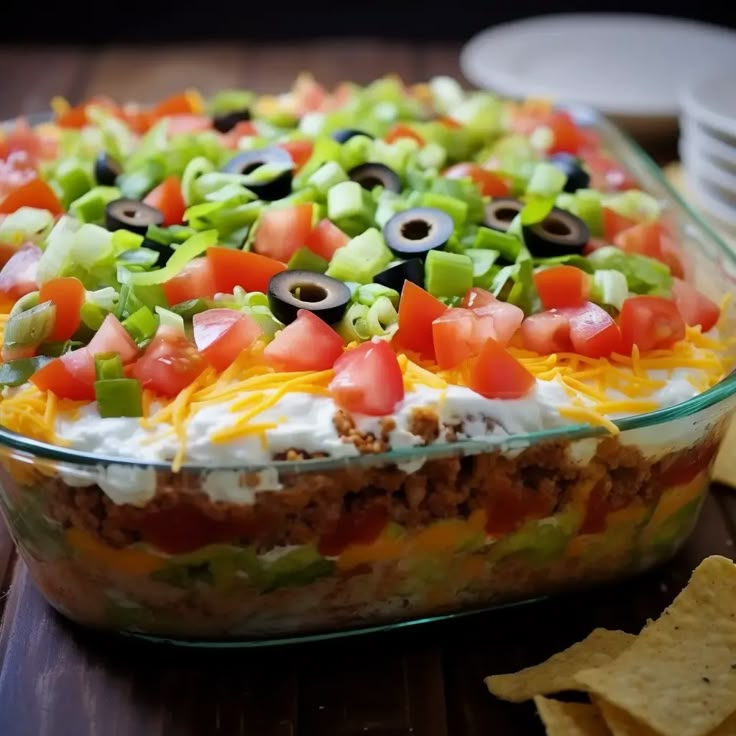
point(435, 531)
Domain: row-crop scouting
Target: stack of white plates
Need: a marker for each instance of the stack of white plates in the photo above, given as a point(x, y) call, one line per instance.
point(708, 144)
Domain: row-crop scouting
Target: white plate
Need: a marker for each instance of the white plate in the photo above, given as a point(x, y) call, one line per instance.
point(627, 66)
point(710, 199)
point(711, 100)
point(698, 137)
point(698, 162)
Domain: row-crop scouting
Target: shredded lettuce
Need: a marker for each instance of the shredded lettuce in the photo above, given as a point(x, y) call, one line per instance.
point(644, 275)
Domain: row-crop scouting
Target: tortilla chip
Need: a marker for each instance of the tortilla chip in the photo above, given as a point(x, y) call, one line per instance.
point(570, 719)
point(558, 672)
point(619, 722)
point(679, 675)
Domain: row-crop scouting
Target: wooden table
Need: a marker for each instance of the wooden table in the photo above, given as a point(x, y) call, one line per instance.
point(58, 680)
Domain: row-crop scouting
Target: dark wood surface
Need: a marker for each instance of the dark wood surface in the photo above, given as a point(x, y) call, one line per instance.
point(59, 680)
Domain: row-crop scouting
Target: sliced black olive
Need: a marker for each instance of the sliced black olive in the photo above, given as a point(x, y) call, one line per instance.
point(372, 175)
point(107, 169)
point(345, 134)
point(248, 161)
point(572, 168)
point(560, 234)
point(500, 213)
point(394, 277)
point(290, 291)
point(130, 214)
point(418, 230)
point(164, 251)
point(227, 121)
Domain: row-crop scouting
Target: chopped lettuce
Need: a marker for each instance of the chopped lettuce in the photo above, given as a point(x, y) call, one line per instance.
point(644, 275)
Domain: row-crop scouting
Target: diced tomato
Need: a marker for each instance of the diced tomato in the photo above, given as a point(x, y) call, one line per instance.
point(282, 232)
point(400, 130)
point(567, 137)
point(233, 268)
point(7, 251)
point(496, 374)
point(496, 319)
point(299, 150)
point(242, 129)
point(546, 333)
point(307, 344)
point(449, 122)
point(36, 193)
point(180, 104)
point(16, 169)
point(139, 119)
point(308, 94)
point(593, 331)
point(368, 379)
point(183, 123)
point(562, 286)
point(195, 281)
point(613, 223)
point(76, 117)
point(417, 310)
point(490, 184)
point(168, 198)
point(649, 239)
point(593, 245)
point(68, 295)
point(81, 365)
point(325, 239)
point(18, 275)
point(694, 306)
point(606, 174)
point(355, 527)
point(170, 363)
point(453, 333)
point(477, 297)
point(24, 142)
point(222, 334)
point(112, 337)
point(57, 378)
point(651, 322)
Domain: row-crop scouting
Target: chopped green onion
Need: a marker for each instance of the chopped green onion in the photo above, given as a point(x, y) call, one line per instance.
point(634, 204)
point(347, 199)
point(108, 365)
point(507, 245)
point(573, 259)
point(136, 184)
point(610, 287)
point(30, 328)
point(17, 372)
point(354, 324)
point(515, 284)
point(456, 208)
point(306, 260)
point(27, 301)
point(92, 315)
point(72, 180)
point(447, 274)
point(368, 294)
point(193, 247)
point(644, 275)
point(119, 397)
point(168, 318)
point(589, 209)
point(144, 257)
point(196, 168)
point(186, 310)
point(230, 100)
point(546, 180)
point(536, 209)
point(26, 224)
point(355, 151)
point(432, 156)
point(141, 325)
point(361, 259)
point(327, 176)
point(382, 318)
point(484, 267)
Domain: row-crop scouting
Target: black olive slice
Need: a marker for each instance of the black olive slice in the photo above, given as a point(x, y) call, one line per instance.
point(418, 230)
point(560, 234)
point(394, 277)
point(345, 134)
point(572, 168)
point(130, 214)
point(107, 169)
point(227, 121)
point(248, 161)
point(500, 213)
point(372, 175)
point(290, 291)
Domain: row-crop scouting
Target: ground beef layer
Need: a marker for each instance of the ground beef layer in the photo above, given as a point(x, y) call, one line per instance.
point(311, 505)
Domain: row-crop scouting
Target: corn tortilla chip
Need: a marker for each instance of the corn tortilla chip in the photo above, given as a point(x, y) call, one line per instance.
point(679, 675)
point(619, 722)
point(570, 719)
point(558, 672)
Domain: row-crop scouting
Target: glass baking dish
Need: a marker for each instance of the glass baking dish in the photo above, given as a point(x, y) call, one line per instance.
point(598, 508)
